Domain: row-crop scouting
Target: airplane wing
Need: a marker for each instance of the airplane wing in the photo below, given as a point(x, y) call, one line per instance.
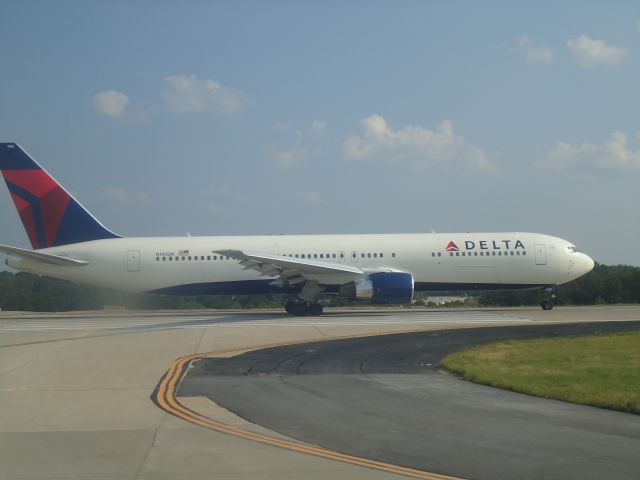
point(42, 257)
point(294, 270)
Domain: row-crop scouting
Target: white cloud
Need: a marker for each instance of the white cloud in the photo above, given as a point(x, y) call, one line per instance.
point(290, 158)
point(189, 94)
point(110, 102)
point(319, 126)
point(414, 146)
point(221, 190)
point(591, 53)
point(534, 54)
point(614, 154)
point(312, 197)
point(214, 210)
point(119, 196)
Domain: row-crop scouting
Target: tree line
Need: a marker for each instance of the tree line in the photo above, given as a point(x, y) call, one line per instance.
point(27, 292)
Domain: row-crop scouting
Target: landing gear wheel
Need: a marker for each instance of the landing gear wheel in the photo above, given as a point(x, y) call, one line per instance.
point(289, 306)
point(299, 309)
point(315, 309)
point(549, 295)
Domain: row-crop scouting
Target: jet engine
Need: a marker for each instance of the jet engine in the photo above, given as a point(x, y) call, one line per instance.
point(382, 287)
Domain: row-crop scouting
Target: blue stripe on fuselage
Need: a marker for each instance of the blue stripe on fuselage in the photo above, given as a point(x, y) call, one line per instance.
point(258, 287)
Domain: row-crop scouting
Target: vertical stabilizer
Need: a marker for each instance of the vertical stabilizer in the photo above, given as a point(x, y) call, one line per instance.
point(50, 215)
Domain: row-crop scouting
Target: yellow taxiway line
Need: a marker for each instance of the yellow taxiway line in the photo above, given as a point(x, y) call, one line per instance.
point(165, 397)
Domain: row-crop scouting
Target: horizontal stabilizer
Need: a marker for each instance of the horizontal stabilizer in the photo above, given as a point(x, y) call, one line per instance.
point(42, 257)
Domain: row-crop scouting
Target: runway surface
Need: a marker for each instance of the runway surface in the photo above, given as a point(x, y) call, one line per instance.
point(75, 390)
point(383, 398)
point(251, 320)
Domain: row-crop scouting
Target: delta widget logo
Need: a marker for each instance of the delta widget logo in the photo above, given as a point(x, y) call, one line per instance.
point(452, 247)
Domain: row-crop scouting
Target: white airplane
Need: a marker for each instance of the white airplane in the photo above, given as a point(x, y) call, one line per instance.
point(69, 243)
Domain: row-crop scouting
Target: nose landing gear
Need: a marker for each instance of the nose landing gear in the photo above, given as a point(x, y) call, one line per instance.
point(549, 295)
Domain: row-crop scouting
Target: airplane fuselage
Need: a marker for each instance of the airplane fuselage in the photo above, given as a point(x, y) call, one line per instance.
point(190, 265)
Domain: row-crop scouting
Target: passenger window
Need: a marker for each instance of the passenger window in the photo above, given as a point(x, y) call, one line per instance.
point(380, 255)
point(524, 253)
point(342, 255)
point(303, 255)
point(157, 259)
point(433, 254)
point(375, 255)
point(368, 255)
point(164, 259)
point(439, 254)
point(393, 255)
point(183, 258)
point(170, 259)
point(457, 254)
point(322, 255)
point(334, 255)
point(362, 255)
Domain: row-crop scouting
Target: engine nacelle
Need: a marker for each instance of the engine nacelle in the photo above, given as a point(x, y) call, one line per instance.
point(382, 287)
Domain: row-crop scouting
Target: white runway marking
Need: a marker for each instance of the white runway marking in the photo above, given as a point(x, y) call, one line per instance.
point(244, 320)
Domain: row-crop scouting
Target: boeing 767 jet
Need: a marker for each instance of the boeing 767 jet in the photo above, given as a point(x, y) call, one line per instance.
point(70, 243)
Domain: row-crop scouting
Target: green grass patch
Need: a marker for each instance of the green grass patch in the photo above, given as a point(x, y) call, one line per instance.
point(600, 370)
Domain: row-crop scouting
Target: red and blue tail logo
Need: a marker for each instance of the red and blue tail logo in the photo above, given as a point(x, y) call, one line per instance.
point(50, 215)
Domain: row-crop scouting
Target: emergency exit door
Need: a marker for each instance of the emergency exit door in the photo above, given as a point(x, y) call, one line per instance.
point(541, 254)
point(133, 261)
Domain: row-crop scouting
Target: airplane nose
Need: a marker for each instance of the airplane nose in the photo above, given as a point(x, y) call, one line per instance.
point(588, 263)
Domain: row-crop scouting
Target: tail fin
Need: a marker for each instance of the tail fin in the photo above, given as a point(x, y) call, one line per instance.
point(50, 215)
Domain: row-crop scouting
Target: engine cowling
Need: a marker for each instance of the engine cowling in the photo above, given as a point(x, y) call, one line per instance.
point(382, 287)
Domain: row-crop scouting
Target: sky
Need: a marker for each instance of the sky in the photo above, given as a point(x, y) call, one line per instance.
point(238, 118)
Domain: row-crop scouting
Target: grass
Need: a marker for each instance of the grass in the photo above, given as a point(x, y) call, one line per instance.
point(599, 370)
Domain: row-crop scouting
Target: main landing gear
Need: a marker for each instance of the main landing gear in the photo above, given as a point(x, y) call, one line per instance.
point(549, 295)
point(300, 309)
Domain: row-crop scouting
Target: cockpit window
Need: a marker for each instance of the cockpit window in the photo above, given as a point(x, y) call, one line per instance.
point(572, 249)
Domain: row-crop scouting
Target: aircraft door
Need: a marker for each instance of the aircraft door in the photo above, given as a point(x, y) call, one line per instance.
point(133, 261)
point(541, 254)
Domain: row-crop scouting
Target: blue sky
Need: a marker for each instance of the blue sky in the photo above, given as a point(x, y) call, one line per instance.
point(363, 117)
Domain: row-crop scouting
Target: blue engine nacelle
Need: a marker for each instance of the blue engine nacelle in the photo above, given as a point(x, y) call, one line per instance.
point(382, 287)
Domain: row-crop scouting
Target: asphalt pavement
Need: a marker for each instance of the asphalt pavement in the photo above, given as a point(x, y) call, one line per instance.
point(384, 398)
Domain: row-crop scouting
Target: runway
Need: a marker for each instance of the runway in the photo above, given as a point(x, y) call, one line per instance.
point(75, 389)
point(253, 320)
